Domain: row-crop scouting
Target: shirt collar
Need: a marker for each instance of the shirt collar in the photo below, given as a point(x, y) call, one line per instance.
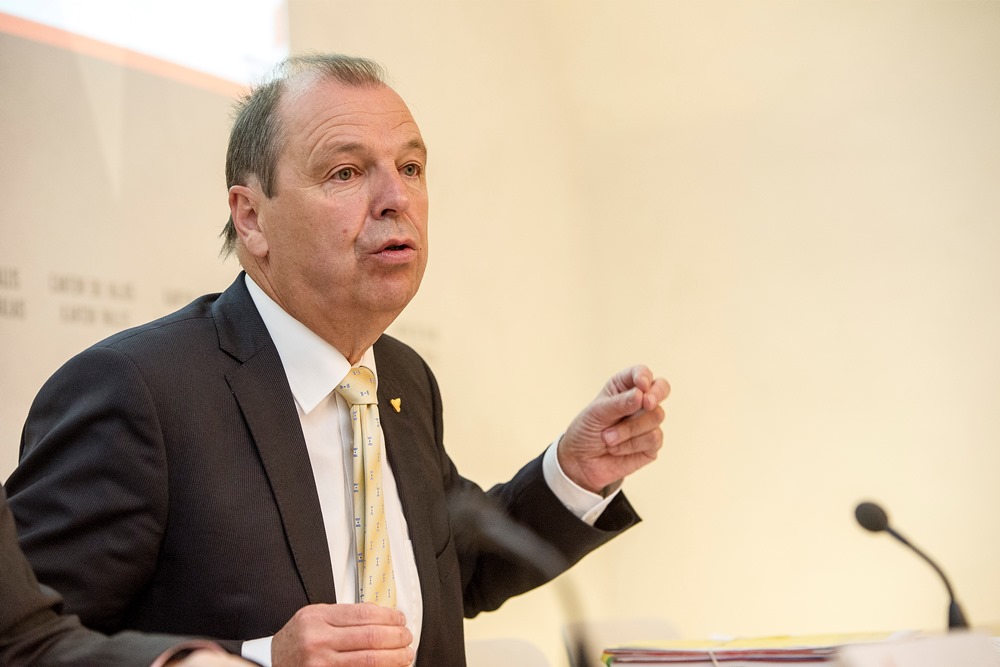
point(313, 367)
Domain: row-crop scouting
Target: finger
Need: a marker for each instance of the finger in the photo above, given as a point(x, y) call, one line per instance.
point(346, 615)
point(607, 411)
point(398, 658)
point(656, 394)
point(628, 378)
point(370, 637)
point(642, 377)
point(633, 426)
point(647, 443)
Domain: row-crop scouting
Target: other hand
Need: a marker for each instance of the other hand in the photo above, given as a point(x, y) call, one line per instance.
point(618, 432)
point(343, 634)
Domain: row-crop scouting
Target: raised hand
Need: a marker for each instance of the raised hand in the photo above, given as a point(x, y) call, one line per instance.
point(618, 432)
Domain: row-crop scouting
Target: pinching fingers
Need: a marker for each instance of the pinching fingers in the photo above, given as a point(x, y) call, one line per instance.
point(658, 391)
point(636, 425)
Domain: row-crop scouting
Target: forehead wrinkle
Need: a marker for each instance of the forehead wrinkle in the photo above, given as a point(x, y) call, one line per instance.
point(323, 152)
point(417, 142)
point(323, 149)
point(317, 129)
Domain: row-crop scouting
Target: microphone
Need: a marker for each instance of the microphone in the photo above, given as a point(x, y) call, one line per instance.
point(480, 522)
point(873, 518)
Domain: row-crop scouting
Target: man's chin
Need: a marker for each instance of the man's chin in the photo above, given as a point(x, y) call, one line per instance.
point(391, 299)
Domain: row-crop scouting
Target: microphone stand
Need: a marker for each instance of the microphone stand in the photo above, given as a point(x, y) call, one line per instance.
point(490, 528)
point(872, 517)
point(956, 618)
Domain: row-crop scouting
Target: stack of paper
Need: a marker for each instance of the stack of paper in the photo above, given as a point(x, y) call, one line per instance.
point(755, 652)
point(952, 649)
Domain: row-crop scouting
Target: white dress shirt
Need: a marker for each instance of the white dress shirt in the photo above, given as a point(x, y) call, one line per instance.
point(314, 368)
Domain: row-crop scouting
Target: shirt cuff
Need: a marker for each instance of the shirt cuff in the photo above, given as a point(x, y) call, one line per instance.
point(258, 650)
point(587, 506)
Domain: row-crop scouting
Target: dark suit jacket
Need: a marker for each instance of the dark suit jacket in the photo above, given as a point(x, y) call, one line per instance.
point(32, 632)
point(164, 485)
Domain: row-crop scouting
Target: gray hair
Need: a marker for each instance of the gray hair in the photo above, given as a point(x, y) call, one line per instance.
point(256, 139)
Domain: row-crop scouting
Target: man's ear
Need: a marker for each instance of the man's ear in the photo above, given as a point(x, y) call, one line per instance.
point(244, 207)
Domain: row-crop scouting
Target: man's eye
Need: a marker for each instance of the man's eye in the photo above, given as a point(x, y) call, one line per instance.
point(411, 170)
point(344, 174)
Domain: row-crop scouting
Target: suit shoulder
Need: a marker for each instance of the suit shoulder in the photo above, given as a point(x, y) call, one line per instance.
point(388, 347)
point(187, 334)
point(397, 359)
point(194, 316)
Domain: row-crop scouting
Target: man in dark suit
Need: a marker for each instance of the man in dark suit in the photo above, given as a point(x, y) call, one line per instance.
point(33, 633)
point(198, 461)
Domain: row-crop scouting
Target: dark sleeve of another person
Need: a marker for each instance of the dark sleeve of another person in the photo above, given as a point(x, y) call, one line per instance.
point(32, 632)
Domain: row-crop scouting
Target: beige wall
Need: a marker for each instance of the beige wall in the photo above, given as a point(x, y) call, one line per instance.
point(112, 196)
point(789, 209)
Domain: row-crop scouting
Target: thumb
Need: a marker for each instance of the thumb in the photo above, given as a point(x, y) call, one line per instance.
point(610, 409)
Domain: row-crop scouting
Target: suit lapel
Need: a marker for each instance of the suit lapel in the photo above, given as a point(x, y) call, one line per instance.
point(397, 433)
point(261, 390)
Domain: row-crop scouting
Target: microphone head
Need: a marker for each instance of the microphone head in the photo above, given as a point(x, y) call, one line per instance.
point(872, 517)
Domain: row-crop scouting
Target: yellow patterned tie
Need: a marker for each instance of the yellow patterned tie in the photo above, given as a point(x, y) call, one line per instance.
point(374, 563)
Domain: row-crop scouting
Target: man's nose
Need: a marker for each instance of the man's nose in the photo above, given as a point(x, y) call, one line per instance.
point(391, 196)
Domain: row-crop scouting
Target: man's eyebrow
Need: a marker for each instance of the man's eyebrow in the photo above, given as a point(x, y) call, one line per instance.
point(419, 146)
